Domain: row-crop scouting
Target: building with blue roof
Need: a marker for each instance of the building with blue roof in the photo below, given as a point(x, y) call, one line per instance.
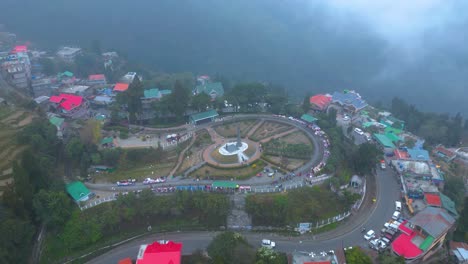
point(349, 99)
point(419, 154)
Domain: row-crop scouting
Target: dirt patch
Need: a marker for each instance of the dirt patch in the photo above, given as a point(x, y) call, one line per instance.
point(230, 130)
point(12, 117)
point(25, 121)
point(8, 157)
point(6, 182)
point(268, 129)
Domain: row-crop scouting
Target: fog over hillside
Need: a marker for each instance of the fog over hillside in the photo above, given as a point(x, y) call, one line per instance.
point(413, 49)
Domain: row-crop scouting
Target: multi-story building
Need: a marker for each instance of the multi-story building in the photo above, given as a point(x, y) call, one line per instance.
point(68, 53)
point(17, 67)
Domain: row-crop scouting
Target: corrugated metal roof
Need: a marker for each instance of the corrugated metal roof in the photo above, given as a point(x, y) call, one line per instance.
point(435, 221)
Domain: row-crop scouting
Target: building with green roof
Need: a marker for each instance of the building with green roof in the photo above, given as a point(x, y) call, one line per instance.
point(448, 205)
point(107, 141)
point(212, 89)
point(384, 141)
point(225, 184)
point(203, 117)
point(393, 130)
point(308, 118)
point(78, 191)
point(58, 123)
point(394, 138)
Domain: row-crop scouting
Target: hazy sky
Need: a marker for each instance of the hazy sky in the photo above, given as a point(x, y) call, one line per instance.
point(415, 49)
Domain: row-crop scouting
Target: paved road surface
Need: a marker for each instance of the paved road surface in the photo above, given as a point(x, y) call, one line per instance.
point(371, 215)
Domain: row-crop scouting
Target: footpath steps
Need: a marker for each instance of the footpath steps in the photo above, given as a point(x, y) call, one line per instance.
point(238, 218)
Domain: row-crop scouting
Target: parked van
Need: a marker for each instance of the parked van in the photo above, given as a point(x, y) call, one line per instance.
point(390, 232)
point(398, 206)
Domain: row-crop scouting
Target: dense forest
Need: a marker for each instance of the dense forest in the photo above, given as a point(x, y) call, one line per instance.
point(305, 46)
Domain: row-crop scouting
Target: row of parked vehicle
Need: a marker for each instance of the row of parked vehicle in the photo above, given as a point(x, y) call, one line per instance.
point(388, 232)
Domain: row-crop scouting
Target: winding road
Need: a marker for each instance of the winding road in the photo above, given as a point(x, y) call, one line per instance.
point(384, 187)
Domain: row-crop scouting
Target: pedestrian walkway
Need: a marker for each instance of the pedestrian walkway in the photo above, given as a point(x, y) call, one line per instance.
point(238, 218)
point(254, 128)
point(182, 155)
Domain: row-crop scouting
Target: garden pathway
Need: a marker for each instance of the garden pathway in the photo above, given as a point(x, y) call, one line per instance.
point(182, 155)
point(279, 135)
point(254, 128)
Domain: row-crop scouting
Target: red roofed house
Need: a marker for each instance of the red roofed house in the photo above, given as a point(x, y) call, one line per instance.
point(432, 199)
point(423, 234)
point(121, 87)
point(400, 154)
point(97, 79)
point(69, 104)
point(320, 101)
point(159, 253)
point(445, 153)
point(22, 48)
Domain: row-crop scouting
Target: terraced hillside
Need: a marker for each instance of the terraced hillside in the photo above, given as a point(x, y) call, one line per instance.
point(12, 120)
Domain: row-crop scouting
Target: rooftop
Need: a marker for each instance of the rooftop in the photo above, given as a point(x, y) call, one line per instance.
point(418, 154)
point(96, 77)
point(433, 199)
point(384, 140)
point(308, 118)
point(76, 89)
point(153, 93)
point(434, 221)
point(121, 87)
point(321, 101)
point(224, 184)
point(212, 89)
point(350, 98)
point(56, 121)
point(203, 115)
point(156, 253)
point(67, 101)
point(78, 191)
point(404, 247)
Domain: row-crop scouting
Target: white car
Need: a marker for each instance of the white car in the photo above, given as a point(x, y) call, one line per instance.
point(345, 118)
point(369, 235)
point(124, 183)
point(359, 131)
point(396, 215)
point(268, 243)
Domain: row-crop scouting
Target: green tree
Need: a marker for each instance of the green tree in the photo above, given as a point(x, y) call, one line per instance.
point(223, 249)
point(461, 233)
point(74, 148)
point(388, 258)
point(80, 231)
point(455, 189)
point(306, 103)
point(52, 208)
point(179, 99)
point(19, 196)
point(365, 158)
point(200, 102)
point(96, 47)
point(269, 256)
point(16, 238)
point(357, 256)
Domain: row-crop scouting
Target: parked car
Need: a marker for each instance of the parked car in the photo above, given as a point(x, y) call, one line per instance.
point(358, 130)
point(396, 215)
point(268, 243)
point(382, 164)
point(346, 118)
point(386, 240)
point(124, 183)
point(398, 206)
point(369, 235)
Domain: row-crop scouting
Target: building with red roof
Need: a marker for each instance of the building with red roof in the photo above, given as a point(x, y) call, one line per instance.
point(422, 233)
point(67, 102)
point(126, 261)
point(160, 253)
point(320, 101)
point(121, 87)
point(97, 79)
point(22, 48)
point(432, 199)
point(400, 154)
point(446, 154)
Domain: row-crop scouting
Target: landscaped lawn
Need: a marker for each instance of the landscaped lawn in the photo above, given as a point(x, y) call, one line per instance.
point(239, 173)
point(139, 173)
point(292, 164)
point(222, 158)
point(307, 204)
point(268, 129)
point(229, 130)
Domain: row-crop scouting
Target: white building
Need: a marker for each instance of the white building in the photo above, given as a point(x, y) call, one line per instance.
point(68, 53)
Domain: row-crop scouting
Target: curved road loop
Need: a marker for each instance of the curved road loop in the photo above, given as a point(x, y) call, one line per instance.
point(384, 187)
